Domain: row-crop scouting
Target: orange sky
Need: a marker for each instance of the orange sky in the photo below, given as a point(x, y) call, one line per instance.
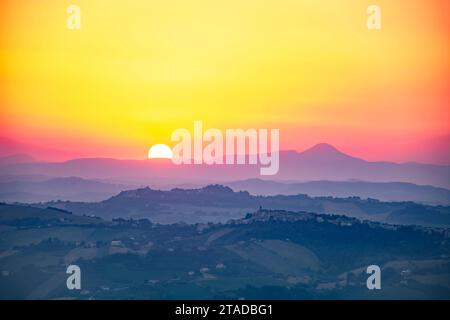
point(137, 70)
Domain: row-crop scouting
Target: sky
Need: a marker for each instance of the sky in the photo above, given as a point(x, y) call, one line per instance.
point(137, 70)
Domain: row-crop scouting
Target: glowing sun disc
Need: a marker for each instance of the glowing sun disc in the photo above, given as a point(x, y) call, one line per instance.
point(160, 151)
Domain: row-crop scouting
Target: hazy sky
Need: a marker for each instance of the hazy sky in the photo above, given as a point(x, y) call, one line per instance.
point(137, 70)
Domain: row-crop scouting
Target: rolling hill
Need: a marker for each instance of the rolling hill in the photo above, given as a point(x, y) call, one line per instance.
point(268, 254)
point(384, 191)
point(64, 188)
point(216, 203)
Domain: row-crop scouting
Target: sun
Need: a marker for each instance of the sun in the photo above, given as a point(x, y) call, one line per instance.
point(160, 151)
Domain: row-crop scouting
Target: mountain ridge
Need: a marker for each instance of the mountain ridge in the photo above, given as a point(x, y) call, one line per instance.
point(320, 163)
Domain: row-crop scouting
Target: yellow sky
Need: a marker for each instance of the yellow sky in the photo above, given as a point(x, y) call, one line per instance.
point(137, 70)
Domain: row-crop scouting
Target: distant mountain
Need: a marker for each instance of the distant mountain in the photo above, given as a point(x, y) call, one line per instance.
point(216, 203)
point(384, 191)
point(23, 177)
point(16, 158)
point(326, 153)
point(65, 188)
point(322, 162)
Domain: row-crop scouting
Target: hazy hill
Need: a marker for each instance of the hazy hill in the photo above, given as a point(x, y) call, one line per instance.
point(216, 203)
point(15, 158)
point(385, 191)
point(64, 188)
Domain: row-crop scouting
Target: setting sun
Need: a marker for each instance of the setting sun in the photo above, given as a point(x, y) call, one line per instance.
point(160, 151)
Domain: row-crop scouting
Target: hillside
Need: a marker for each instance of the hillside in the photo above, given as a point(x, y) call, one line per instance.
point(19, 215)
point(216, 203)
point(268, 254)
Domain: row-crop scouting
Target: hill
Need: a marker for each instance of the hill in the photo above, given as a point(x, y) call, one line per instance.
point(217, 203)
point(63, 188)
point(18, 215)
point(268, 254)
point(384, 191)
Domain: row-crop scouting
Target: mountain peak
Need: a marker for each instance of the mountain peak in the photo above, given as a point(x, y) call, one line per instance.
point(324, 147)
point(326, 152)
